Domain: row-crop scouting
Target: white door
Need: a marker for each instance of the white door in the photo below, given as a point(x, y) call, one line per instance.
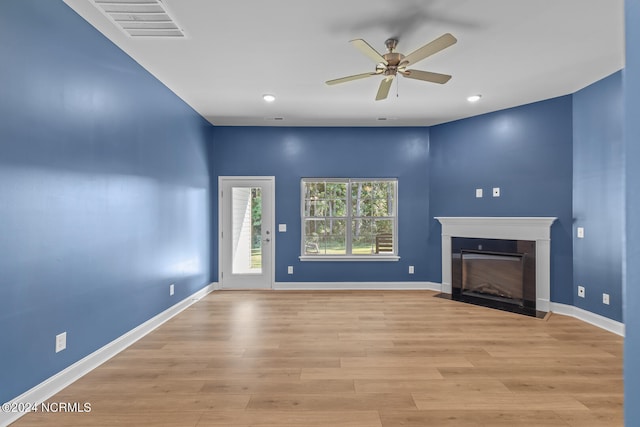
point(246, 209)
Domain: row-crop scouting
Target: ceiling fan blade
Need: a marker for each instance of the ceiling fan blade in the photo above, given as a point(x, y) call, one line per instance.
point(427, 76)
point(350, 78)
point(383, 90)
point(366, 48)
point(429, 49)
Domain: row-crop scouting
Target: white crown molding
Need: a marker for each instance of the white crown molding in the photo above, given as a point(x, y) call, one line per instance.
point(62, 379)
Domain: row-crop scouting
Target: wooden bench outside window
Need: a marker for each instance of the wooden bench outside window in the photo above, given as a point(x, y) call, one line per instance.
point(384, 242)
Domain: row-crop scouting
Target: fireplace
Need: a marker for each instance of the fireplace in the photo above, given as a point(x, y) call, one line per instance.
point(495, 273)
point(503, 236)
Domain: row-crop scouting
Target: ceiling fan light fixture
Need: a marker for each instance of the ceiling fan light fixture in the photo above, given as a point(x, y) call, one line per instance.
point(474, 98)
point(268, 97)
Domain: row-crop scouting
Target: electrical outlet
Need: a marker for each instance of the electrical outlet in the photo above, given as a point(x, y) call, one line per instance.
point(290, 269)
point(61, 342)
point(479, 193)
point(411, 269)
point(580, 232)
point(496, 191)
point(605, 299)
point(171, 289)
point(581, 291)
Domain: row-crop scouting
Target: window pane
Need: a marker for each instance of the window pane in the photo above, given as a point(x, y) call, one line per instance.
point(373, 199)
point(334, 239)
point(384, 238)
point(372, 236)
point(362, 239)
point(383, 226)
point(325, 199)
point(316, 208)
point(312, 230)
point(337, 190)
point(315, 189)
point(388, 196)
point(338, 208)
point(362, 188)
point(325, 236)
point(381, 207)
point(246, 233)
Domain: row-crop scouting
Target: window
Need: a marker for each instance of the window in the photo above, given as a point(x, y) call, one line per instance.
point(349, 219)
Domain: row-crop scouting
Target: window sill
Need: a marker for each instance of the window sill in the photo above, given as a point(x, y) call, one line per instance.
point(349, 258)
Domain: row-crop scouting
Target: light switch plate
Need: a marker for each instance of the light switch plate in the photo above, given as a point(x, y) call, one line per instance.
point(282, 228)
point(479, 193)
point(580, 232)
point(61, 342)
point(496, 191)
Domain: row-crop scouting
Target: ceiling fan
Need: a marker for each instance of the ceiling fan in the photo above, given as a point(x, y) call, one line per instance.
point(392, 63)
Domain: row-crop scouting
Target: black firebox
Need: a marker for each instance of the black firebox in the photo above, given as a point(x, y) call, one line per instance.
point(495, 273)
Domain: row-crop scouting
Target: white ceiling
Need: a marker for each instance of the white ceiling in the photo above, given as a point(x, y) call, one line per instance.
point(513, 52)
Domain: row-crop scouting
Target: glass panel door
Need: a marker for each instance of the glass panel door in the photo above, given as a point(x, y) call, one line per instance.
point(246, 208)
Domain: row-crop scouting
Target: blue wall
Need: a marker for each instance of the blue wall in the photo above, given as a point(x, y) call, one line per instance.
point(104, 192)
point(525, 151)
point(598, 195)
point(631, 293)
point(290, 154)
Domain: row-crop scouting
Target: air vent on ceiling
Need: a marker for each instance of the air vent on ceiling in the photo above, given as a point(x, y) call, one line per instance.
point(140, 18)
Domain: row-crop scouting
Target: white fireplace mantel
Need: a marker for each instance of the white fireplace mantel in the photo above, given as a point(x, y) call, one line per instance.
point(537, 229)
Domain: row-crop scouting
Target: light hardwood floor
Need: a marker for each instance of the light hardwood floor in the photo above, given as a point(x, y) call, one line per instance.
point(353, 358)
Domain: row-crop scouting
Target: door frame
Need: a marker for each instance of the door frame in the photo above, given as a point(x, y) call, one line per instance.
point(271, 182)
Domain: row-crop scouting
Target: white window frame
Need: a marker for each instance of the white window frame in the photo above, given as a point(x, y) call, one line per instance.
point(388, 256)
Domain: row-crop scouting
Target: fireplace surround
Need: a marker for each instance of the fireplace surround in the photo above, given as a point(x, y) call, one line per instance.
point(532, 229)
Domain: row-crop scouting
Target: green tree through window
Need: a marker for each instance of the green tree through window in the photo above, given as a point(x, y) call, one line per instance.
point(344, 216)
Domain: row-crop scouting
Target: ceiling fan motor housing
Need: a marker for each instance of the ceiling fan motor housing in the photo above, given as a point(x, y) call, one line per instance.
point(391, 44)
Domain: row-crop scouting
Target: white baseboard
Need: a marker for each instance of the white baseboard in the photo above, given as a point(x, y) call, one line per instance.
point(62, 379)
point(337, 286)
point(602, 322)
point(568, 310)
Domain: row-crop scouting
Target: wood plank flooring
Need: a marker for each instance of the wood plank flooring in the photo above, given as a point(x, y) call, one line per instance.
point(352, 359)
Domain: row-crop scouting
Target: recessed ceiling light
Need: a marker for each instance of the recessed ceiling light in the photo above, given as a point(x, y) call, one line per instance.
point(474, 98)
point(269, 98)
